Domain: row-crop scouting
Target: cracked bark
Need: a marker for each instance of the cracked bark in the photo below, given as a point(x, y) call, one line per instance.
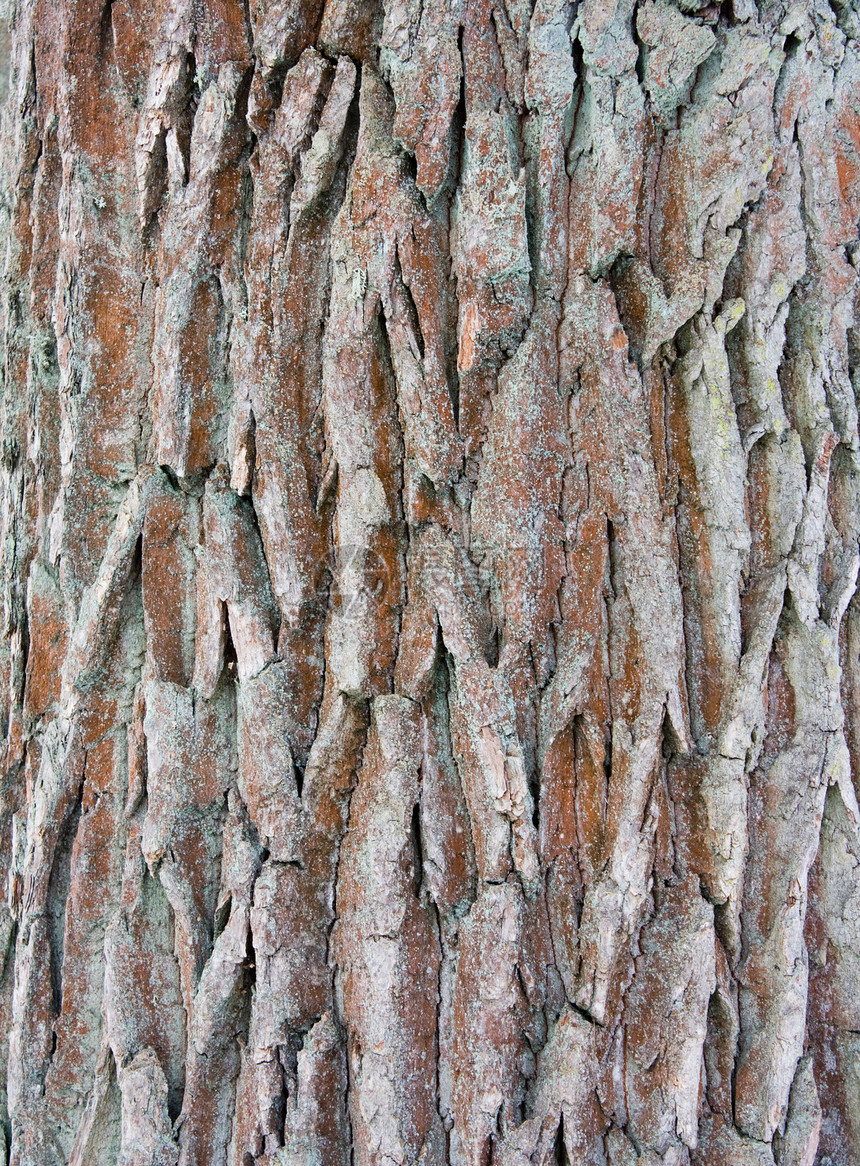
point(430, 657)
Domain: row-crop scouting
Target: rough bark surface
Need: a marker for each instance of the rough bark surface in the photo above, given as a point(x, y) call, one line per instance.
point(431, 659)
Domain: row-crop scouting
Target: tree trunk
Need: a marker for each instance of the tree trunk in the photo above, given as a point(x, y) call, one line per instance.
point(430, 525)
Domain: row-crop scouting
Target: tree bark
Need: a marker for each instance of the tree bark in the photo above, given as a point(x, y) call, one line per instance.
point(431, 658)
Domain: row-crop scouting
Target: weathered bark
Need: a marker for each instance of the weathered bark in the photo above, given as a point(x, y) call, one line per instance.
point(431, 658)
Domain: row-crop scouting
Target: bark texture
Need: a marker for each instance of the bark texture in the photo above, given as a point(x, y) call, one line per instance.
point(430, 662)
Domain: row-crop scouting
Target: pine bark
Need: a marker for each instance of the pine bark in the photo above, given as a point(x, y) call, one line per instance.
point(431, 658)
